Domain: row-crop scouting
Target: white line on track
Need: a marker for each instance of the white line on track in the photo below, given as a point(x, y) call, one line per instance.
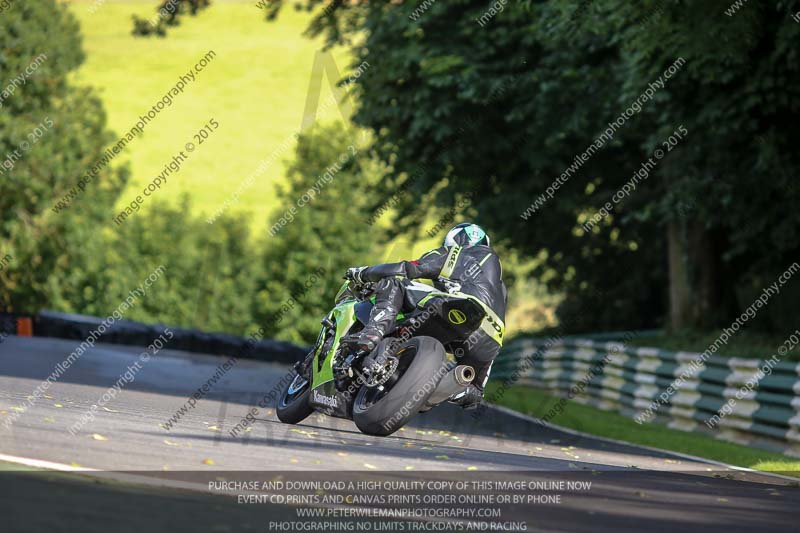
point(103, 474)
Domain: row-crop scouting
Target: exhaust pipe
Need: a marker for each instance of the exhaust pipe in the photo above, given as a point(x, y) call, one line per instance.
point(452, 383)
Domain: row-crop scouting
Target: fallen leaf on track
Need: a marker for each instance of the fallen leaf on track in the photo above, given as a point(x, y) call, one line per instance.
point(208, 461)
point(304, 432)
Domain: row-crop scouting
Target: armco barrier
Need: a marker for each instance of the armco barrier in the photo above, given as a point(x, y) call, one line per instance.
point(633, 378)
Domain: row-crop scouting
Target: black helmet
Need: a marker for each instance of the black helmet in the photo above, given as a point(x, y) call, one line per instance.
point(466, 234)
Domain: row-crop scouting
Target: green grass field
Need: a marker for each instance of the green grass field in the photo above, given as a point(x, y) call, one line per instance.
point(255, 88)
point(615, 426)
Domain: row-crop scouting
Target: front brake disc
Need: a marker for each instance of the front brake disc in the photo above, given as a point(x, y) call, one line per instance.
point(384, 374)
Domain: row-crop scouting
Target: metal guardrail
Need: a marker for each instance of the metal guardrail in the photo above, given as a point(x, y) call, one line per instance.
point(632, 379)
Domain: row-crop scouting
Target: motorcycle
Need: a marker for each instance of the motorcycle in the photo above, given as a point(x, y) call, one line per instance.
point(413, 369)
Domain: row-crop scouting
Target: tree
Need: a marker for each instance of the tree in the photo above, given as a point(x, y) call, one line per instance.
point(76, 259)
point(316, 235)
point(210, 269)
point(501, 106)
point(168, 13)
point(51, 132)
point(725, 189)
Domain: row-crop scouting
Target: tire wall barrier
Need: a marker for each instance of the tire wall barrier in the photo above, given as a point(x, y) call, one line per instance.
point(762, 409)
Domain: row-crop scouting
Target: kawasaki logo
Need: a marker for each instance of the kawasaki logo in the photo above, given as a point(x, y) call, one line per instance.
point(330, 401)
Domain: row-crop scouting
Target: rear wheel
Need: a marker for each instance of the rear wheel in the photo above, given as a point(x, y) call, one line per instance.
point(293, 406)
point(384, 410)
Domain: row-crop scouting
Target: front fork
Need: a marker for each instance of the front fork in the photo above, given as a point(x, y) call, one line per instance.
point(302, 368)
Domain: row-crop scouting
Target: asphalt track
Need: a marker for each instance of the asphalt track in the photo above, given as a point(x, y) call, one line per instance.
point(633, 489)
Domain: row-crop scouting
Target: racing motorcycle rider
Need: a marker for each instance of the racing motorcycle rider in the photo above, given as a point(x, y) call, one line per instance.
point(466, 264)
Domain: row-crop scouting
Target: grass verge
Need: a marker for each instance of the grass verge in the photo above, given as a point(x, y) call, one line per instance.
point(613, 425)
point(744, 344)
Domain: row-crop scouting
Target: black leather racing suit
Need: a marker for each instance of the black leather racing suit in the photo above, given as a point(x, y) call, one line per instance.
point(476, 269)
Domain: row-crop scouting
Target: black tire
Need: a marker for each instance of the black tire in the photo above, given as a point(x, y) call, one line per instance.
point(407, 395)
point(293, 407)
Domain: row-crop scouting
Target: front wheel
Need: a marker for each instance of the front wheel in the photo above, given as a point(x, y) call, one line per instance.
point(382, 411)
point(293, 406)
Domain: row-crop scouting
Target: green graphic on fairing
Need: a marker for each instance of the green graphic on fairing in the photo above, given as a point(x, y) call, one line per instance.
point(342, 289)
point(343, 315)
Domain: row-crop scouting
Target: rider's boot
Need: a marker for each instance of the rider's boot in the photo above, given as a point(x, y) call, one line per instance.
point(469, 398)
point(366, 340)
point(382, 317)
point(473, 395)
